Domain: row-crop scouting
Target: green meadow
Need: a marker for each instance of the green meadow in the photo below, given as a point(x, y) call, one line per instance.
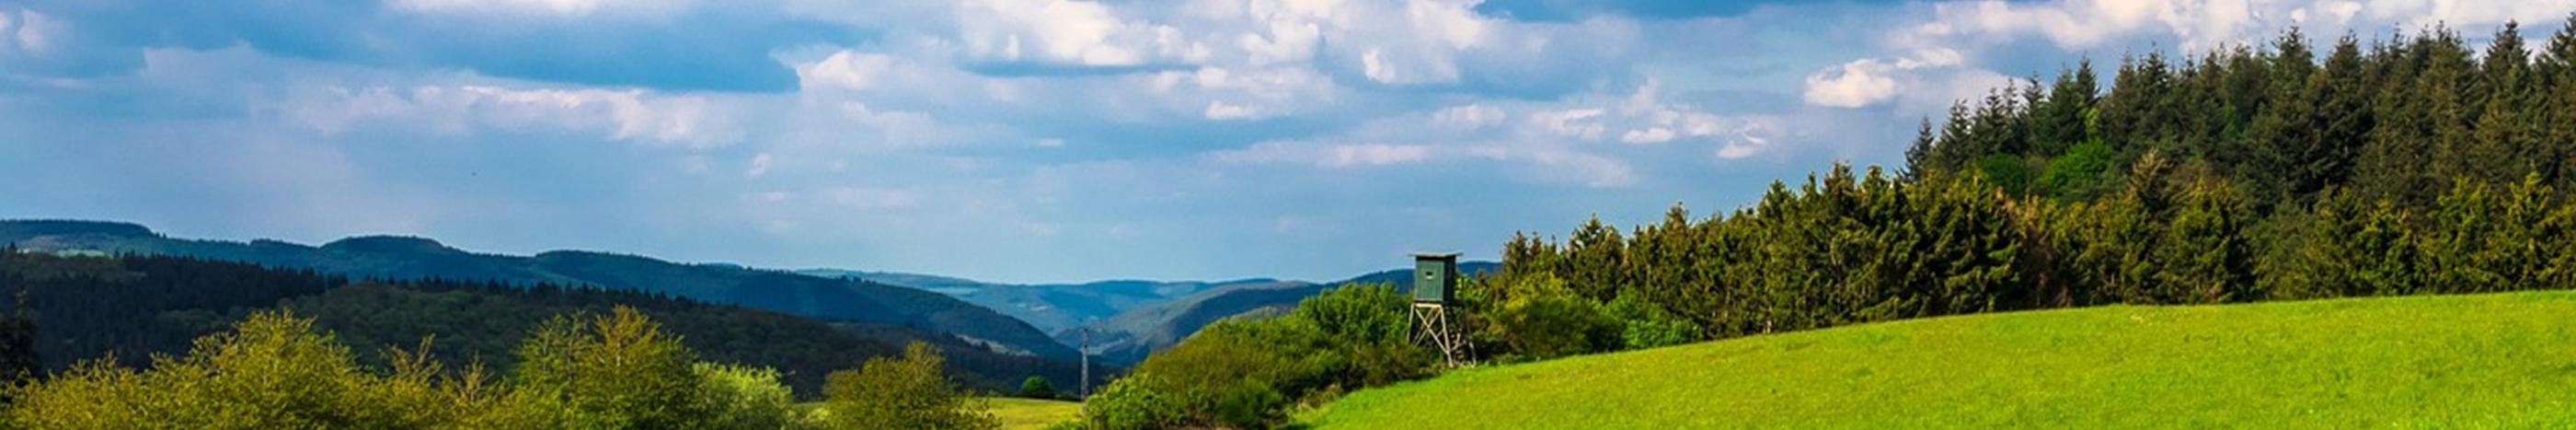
point(2480, 361)
point(1026, 414)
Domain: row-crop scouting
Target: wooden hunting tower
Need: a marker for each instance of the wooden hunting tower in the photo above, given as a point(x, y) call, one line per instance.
point(1435, 277)
point(1435, 285)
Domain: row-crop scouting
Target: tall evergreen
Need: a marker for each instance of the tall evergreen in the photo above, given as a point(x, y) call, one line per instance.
point(2059, 119)
point(2135, 114)
point(2506, 128)
point(2557, 104)
point(1918, 155)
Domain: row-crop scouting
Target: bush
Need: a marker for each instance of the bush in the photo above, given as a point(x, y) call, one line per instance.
point(1132, 403)
point(612, 371)
point(902, 393)
point(1540, 318)
point(1643, 325)
point(744, 397)
point(1037, 387)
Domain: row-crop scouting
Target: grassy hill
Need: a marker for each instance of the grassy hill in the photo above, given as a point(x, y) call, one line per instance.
point(2485, 361)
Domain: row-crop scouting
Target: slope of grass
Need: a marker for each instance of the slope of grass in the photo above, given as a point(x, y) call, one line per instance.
point(1024, 414)
point(2485, 361)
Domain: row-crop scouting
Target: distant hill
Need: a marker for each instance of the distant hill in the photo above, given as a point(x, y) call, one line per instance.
point(1126, 338)
point(390, 257)
point(134, 307)
point(1053, 307)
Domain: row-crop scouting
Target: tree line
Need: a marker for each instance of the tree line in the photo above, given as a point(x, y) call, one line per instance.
point(2414, 166)
point(134, 306)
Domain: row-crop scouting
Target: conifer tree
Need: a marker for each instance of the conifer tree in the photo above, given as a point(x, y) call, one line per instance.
point(2059, 118)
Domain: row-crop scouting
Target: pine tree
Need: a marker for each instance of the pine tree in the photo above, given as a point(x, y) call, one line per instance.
point(2393, 163)
point(1918, 155)
point(2557, 102)
point(2207, 256)
point(2134, 115)
point(2508, 135)
point(2059, 120)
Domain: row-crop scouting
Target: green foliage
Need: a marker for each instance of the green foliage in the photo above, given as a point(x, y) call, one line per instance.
point(1540, 317)
point(1644, 325)
point(2079, 174)
point(617, 370)
point(742, 397)
point(1247, 372)
point(2006, 171)
point(273, 371)
point(1036, 387)
point(902, 393)
point(1131, 404)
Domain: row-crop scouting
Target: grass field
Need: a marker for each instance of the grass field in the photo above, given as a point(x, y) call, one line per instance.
point(2485, 361)
point(1018, 413)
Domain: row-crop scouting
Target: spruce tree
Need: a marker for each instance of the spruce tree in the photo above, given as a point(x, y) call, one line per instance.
point(2508, 133)
point(2557, 102)
point(2059, 120)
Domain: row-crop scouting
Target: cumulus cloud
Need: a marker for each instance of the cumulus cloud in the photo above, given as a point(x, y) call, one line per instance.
point(1066, 31)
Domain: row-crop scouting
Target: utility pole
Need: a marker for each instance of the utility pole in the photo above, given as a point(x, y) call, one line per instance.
point(1086, 363)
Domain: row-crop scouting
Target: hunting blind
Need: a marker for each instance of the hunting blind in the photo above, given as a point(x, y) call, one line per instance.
point(1435, 283)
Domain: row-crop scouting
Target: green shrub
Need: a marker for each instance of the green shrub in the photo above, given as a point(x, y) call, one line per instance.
point(1541, 318)
point(1037, 387)
point(1133, 403)
point(616, 371)
point(1643, 325)
point(902, 393)
point(744, 397)
point(2080, 173)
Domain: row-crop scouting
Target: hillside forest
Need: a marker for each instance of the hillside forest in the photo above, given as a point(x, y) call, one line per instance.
point(2411, 164)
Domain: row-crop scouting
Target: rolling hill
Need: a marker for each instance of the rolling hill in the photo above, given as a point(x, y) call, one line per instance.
point(2483, 361)
point(1049, 307)
point(389, 257)
point(133, 308)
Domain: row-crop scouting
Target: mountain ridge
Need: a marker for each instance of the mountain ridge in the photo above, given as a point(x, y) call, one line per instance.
point(407, 257)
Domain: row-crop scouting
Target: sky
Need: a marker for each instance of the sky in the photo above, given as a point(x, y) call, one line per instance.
point(1022, 140)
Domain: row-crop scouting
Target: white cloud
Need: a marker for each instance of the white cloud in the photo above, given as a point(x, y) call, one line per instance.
point(566, 8)
point(1468, 116)
point(848, 70)
point(1856, 84)
point(1217, 110)
point(1647, 135)
point(630, 115)
point(1055, 31)
point(1582, 123)
point(34, 32)
point(1334, 156)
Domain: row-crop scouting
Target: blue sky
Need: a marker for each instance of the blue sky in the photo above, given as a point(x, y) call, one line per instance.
point(1018, 140)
